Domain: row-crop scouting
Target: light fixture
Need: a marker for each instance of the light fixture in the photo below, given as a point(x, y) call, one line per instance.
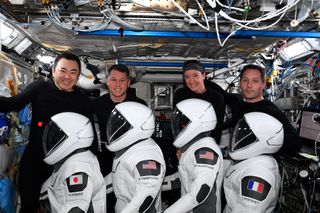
point(296, 50)
point(299, 49)
point(8, 34)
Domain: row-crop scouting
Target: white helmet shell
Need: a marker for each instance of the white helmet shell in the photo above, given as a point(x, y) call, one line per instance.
point(201, 118)
point(66, 132)
point(128, 123)
point(255, 134)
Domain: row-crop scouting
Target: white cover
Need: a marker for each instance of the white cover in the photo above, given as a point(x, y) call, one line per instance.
point(61, 200)
point(129, 187)
point(202, 119)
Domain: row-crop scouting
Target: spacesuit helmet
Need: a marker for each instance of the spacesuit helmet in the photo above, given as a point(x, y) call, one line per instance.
point(65, 133)
point(255, 134)
point(190, 118)
point(128, 123)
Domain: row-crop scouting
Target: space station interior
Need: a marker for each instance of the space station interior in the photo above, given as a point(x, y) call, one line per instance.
point(154, 38)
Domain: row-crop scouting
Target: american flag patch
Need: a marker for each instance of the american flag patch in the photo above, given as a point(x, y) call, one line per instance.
point(76, 180)
point(255, 186)
point(206, 155)
point(150, 164)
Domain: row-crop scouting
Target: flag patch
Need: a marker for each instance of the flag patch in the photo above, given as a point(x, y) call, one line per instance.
point(76, 180)
point(149, 168)
point(150, 164)
point(255, 186)
point(206, 155)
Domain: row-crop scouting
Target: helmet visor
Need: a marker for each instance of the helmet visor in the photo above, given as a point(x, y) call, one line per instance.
point(178, 122)
point(242, 135)
point(52, 137)
point(117, 125)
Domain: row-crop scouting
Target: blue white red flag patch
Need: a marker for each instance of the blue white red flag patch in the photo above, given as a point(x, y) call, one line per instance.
point(255, 186)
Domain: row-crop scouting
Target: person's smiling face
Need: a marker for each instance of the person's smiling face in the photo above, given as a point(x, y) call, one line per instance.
point(194, 80)
point(66, 74)
point(118, 83)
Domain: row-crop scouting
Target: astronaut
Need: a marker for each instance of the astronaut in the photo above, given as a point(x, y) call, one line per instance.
point(252, 180)
point(200, 164)
point(76, 184)
point(138, 167)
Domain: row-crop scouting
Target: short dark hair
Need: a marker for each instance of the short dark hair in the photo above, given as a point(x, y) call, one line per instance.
point(254, 67)
point(68, 56)
point(193, 65)
point(119, 67)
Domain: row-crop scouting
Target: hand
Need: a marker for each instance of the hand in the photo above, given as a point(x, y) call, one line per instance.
point(178, 153)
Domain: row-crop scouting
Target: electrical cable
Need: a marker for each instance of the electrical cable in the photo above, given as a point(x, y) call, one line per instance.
point(109, 13)
point(262, 28)
point(312, 196)
point(212, 3)
point(316, 145)
point(193, 19)
point(281, 187)
point(241, 26)
point(304, 196)
point(53, 12)
point(265, 17)
point(218, 34)
point(159, 11)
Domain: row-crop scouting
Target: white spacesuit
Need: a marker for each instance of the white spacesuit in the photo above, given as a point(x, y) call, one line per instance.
point(138, 168)
point(252, 180)
point(200, 165)
point(76, 184)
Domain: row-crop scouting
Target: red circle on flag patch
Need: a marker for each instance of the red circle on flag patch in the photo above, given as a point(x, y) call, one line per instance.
point(75, 179)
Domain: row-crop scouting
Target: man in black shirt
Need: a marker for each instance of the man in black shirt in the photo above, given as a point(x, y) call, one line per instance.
point(47, 98)
point(118, 82)
point(252, 83)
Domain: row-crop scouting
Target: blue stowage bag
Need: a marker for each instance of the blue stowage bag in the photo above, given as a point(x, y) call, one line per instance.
point(21, 134)
point(4, 129)
point(8, 195)
point(25, 115)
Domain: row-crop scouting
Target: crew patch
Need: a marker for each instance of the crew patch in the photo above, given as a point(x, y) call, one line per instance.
point(206, 155)
point(77, 182)
point(148, 168)
point(255, 188)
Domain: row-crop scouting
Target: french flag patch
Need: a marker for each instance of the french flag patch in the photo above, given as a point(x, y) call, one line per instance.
point(255, 186)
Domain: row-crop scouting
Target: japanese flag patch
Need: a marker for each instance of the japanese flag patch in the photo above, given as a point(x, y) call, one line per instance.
point(76, 179)
point(77, 182)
